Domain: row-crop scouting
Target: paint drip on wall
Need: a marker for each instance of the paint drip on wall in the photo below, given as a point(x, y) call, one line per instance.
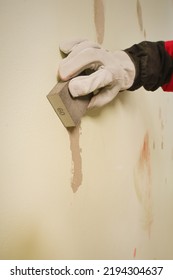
point(140, 18)
point(134, 253)
point(74, 135)
point(143, 184)
point(99, 20)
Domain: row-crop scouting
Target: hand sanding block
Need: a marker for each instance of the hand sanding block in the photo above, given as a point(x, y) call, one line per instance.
point(69, 109)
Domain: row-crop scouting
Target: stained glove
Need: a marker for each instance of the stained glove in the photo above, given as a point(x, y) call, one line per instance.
point(111, 71)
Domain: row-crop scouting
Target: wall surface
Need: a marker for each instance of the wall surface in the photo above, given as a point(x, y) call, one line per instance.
point(104, 191)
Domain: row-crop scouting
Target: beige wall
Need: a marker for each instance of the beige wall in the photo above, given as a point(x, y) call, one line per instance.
point(123, 207)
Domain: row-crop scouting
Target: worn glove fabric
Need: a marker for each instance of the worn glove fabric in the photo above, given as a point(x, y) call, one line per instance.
point(111, 71)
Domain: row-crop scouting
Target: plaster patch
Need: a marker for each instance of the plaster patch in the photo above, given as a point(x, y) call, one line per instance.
point(143, 184)
point(74, 135)
point(134, 253)
point(140, 19)
point(139, 14)
point(99, 20)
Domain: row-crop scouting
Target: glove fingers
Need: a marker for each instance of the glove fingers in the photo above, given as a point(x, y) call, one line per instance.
point(83, 85)
point(77, 45)
point(67, 46)
point(73, 65)
point(105, 96)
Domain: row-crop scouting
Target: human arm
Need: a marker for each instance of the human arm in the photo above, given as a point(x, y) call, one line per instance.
point(154, 65)
point(147, 64)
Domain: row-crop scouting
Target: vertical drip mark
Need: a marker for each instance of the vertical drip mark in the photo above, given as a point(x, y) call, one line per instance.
point(74, 135)
point(99, 20)
point(139, 13)
point(162, 126)
point(142, 181)
point(134, 253)
point(140, 18)
point(162, 145)
point(145, 34)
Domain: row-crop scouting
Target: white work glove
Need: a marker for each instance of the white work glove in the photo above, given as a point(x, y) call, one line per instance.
point(111, 71)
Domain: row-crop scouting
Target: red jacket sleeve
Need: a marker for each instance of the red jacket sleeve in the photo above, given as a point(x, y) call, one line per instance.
point(169, 49)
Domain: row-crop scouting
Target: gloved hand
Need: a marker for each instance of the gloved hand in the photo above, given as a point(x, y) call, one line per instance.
point(111, 71)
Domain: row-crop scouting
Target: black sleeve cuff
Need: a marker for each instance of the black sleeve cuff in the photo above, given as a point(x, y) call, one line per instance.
point(154, 66)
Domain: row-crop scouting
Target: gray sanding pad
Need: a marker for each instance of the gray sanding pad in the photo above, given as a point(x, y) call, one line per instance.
point(69, 109)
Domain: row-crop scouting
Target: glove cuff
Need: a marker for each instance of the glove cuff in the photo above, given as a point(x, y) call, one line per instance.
point(128, 69)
